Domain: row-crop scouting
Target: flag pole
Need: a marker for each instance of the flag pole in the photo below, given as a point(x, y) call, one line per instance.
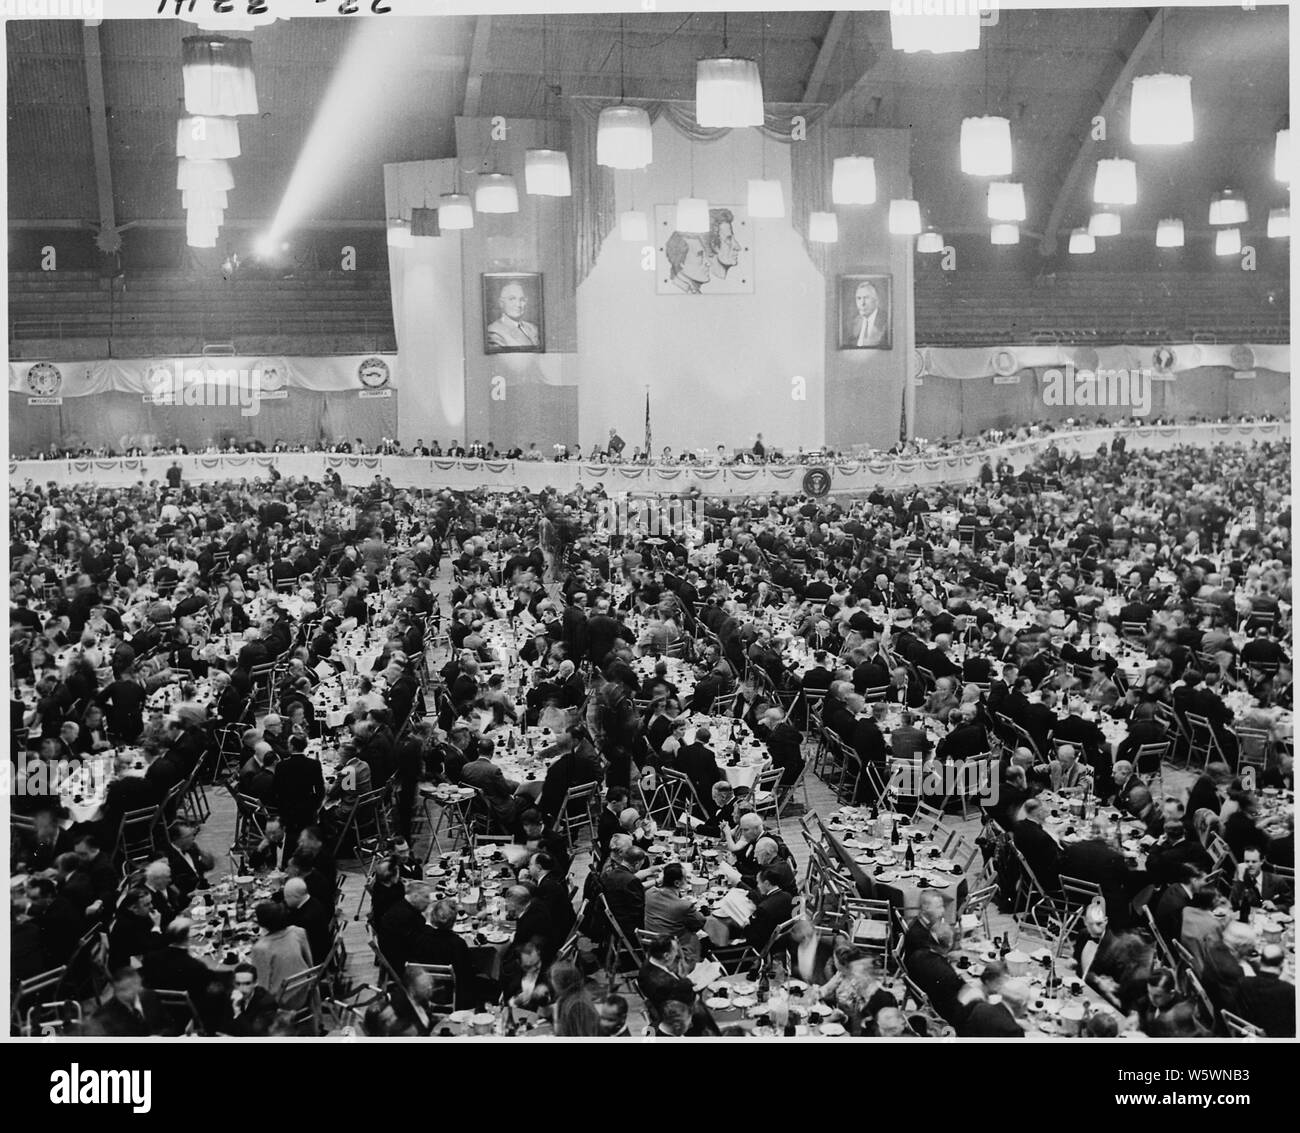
point(648, 456)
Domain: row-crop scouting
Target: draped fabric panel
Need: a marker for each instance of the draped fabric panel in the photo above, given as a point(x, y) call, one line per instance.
point(1174, 357)
point(953, 407)
point(119, 421)
point(593, 185)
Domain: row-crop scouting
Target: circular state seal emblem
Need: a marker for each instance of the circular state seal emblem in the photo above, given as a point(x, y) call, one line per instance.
point(1243, 358)
point(373, 373)
point(44, 379)
point(267, 376)
point(816, 482)
point(1164, 359)
point(1005, 363)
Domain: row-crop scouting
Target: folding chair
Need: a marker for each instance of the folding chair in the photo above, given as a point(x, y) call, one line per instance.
point(1029, 890)
point(683, 790)
point(300, 997)
point(364, 821)
point(569, 949)
point(1167, 957)
point(444, 981)
point(455, 817)
point(579, 814)
point(870, 924)
point(1184, 957)
point(973, 913)
point(1239, 1028)
point(927, 819)
point(1201, 742)
point(766, 791)
point(136, 837)
point(34, 991)
point(1252, 747)
point(1202, 1001)
point(180, 1010)
point(619, 950)
point(1077, 893)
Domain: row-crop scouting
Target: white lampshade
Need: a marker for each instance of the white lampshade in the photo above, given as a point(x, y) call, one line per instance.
point(455, 211)
point(1160, 113)
point(1228, 208)
point(1082, 243)
point(204, 199)
point(199, 234)
point(692, 215)
point(1227, 242)
point(823, 227)
point(728, 93)
point(904, 217)
point(986, 147)
point(1169, 233)
point(217, 75)
point(205, 217)
point(853, 181)
point(399, 234)
point(929, 242)
point(1104, 224)
point(1006, 200)
point(634, 227)
point(496, 192)
point(938, 32)
point(207, 139)
point(546, 173)
point(1003, 234)
point(1282, 156)
point(204, 175)
point(1279, 223)
point(766, 199)
point(1116, 182)
point(624, 139)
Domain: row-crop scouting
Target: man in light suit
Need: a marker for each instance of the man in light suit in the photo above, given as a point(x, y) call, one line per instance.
point(870, 326)
point(510, 331)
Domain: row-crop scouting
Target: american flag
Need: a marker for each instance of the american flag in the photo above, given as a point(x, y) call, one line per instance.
point(646, 450)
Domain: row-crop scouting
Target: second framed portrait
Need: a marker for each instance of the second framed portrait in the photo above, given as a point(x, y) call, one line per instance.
point(514, 315)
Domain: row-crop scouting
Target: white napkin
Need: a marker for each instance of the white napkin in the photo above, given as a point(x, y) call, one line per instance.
point(730, 873)
point(736, 907)
point(705, 973)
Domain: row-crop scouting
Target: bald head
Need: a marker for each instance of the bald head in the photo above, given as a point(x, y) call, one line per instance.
point(295, 892)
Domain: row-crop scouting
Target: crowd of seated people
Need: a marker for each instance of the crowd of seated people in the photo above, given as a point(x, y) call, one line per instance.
point(613, 451)
point(117, 594)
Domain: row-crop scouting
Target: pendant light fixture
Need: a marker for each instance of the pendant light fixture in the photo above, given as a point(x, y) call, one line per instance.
point(624, 139)
point(1004, 234)
point(546, 170)
point(929, 242)
point(1279, 223)
point(940, 33)
point(1006, 201)
point(217, 74)
point(207, 139)
point(1082, 242)
point(455, 212)
point(1104, 224)
point(823, 227)
point(204, 175)
point(1228, 208)
point(728, 90)
point(766, 198)
point(1116, 182)
point(1169, 233)
point(1160, 111)
point(1227, 242)
point(496, 193)
point(853, 180)
point(905, 217)
point(399, 233)
point(1282, 156)
point(986, 147)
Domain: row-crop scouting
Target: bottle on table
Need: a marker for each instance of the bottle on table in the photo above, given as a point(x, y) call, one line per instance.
point(909, 856)
point(764, 985)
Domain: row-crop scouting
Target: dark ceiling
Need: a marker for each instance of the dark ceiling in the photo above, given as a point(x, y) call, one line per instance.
point(1047, 70)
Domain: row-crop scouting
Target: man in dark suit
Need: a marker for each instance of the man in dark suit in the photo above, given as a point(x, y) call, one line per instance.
point(402, 924)
point(710, 688)
point(311, 915)
point(1266, 999)
point(659, 978)
point(1038, 847)
point(533, 923)
point(173, 968)
point(772, 908)
point(1226, 966)
point(249, 1009)
point(698, 763)
point(132, 1012)
point(436, 943)
point(1094, 859)
point(298, 790)
point(602, 631)
point(1189, 879)
point(984, 1020)
point(967, 738)
point(930, 970)
point(553, 892)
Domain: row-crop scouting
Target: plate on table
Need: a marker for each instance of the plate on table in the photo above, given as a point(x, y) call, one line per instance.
point(743, 1001)
point(717, 1003)
point(937, 882)
point(887, 876)
point(658, 848)
point(1049, 1027)
point(462, 928)
point(864, 859)
point(497, 937)
point(745, 987)
point(831, 1029)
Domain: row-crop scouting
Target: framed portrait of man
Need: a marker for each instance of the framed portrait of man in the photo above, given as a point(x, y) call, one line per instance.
point(716, 261)
point(866, 312)
point(514, 316)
